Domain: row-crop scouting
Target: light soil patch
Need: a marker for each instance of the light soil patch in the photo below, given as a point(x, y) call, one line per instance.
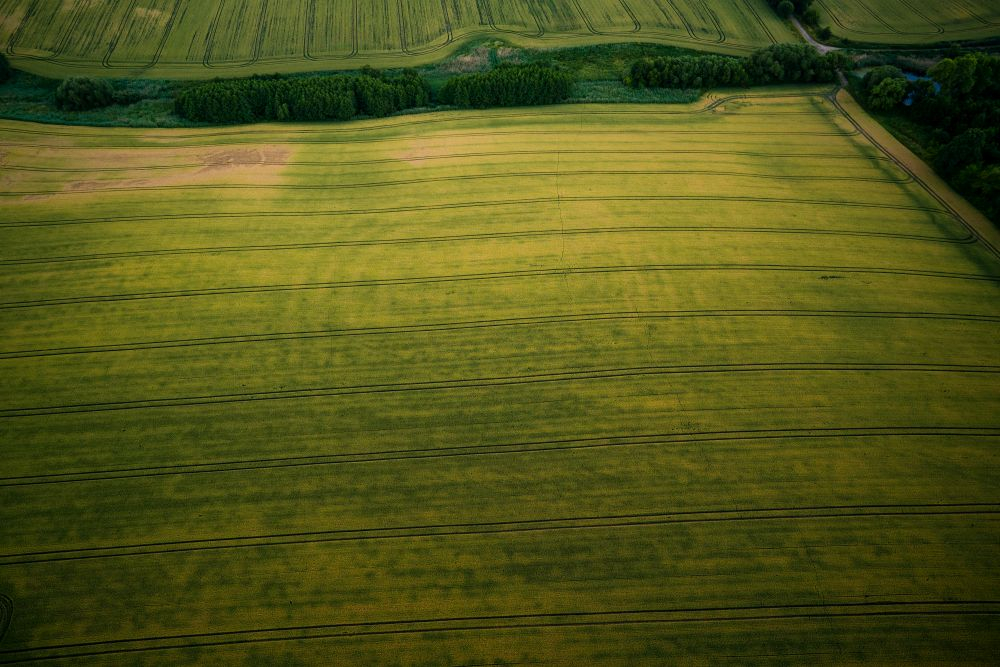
point(262, 165)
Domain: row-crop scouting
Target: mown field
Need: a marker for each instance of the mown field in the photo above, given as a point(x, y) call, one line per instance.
point(566, 385)
point(911, 22)
point(184, 38)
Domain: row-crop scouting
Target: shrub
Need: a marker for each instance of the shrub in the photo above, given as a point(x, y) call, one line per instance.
point(785, 9)
point(83, 94)
point(887, 94)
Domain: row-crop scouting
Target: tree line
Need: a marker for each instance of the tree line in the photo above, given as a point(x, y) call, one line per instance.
point(370, 93)
point(957, 107)
point(337, 97)
point(781, 63)
point(508, 85)
point(5, 70)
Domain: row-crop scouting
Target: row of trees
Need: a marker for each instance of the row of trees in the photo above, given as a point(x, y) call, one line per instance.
point(958, 107)
point(781, 63)
point(508, 85)
point(340, 97)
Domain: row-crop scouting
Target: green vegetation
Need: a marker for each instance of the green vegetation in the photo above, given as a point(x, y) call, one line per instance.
point(958, 124)
point(83, 94)
point(508, 86)
point(782, 63)
point(302, 99)
point(5, 71)
point(199, 38)
point(567, 385)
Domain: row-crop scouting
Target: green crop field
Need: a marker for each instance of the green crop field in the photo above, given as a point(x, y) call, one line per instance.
point(630, 384)
point(188, 38)
point(911, 21)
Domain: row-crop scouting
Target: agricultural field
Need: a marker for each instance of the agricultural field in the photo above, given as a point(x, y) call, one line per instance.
point(565, 385)
point(911, 22)
point(188, 38)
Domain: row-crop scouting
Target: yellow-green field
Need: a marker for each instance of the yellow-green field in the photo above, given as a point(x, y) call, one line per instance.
point(189, 38)
point(911, 21)
point(631, 385)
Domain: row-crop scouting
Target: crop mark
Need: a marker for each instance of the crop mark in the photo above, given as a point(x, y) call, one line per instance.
point(763, 24)
point(119, 31)
point(161, 45)
point(636, 25)
point(489, 382)
point(486, 9)
point(502, 449)
point(497, 623)
point(18, 32)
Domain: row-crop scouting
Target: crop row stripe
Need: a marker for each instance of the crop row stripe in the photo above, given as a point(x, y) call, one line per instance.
point(627, 521)
point(663, 440)
point(494, 381)
point(563, 619)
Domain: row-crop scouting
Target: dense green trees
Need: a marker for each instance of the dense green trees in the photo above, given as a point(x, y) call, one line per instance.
point(887, 93)
point(5, 69)
point(959, 109)
point(370, 93)
point(508, 85)
point(302, 98)
point(83, 94)
point(781, 63)
point(786, 8)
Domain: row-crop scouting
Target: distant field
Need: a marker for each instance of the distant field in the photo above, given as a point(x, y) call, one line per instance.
point(633, 384)
point(911, 21)
point(186, 38)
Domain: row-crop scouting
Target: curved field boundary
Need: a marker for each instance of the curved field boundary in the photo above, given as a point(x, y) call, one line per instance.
point(107, 62)
point(310, 33)
point(502, 449)
point(974, 221)
point(812, 513)
point(460, 325)
point(476, 277)
point(258, 45)
point(936, 31)
point(761, 21)
point(408, 54)
point(478, 624)
point(353, 128)
point(636, 25)
point(403, 30)
point(546, 233)
point(498, 381)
